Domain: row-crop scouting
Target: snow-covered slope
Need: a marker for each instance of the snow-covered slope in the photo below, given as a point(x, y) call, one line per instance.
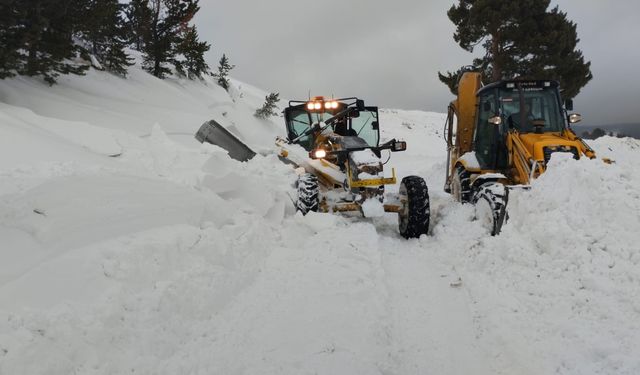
point(128, 247)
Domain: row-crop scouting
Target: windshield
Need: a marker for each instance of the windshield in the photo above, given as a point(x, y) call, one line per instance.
point(365, 126)
point(299, 121)
point(519, 108)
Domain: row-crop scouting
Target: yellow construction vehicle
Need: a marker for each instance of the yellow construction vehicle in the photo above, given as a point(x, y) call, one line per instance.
point(502, 135)
point(335, 145)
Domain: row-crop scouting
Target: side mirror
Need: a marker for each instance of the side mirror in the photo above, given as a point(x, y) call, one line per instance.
point(375, 125)
point(398, 146)
point(568, 104)
point(575, 118)
point(360, 104)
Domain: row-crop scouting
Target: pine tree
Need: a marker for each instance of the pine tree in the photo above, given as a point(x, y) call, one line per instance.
point(269, 106)
point(138, 21)
point(223, 72)
point(193, 64)
point(597, 133)
point(168, 19)
point(106, 34)
point(41, 38)
point(10, 58)
point(521, 39)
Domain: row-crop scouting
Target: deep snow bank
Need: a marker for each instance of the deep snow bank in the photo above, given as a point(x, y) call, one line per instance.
point(97, 157)
point(561, 283)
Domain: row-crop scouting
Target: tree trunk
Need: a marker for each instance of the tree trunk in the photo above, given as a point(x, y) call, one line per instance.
point(154, 25)
point(495, 57)
point(34, 32)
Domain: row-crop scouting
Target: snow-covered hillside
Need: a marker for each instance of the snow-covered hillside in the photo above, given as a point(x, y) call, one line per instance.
point(128, 247)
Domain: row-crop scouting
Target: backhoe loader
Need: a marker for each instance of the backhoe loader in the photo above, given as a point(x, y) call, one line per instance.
point(501, 136)
point(335, 145)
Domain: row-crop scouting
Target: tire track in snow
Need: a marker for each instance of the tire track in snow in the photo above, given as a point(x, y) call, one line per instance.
point(432, 326)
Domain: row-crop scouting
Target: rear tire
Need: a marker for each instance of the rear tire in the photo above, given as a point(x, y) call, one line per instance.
point(490, 202)
point(308, 193)
point(413, 217)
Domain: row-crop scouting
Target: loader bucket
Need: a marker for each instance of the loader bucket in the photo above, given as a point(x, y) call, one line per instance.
point(216, 134)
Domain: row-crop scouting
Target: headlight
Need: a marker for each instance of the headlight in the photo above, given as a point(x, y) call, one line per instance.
point(319, 154)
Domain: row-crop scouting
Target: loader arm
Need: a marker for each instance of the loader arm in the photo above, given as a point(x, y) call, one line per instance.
point(586, 150)
point(525, 166)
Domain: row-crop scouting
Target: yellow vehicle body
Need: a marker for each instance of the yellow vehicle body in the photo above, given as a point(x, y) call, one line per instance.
point(335, 145)
point(525, 152)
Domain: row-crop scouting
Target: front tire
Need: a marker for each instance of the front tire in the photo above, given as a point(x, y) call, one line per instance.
point(490, 202)
point(461, 185)
point(308, 193)
point(413, 217)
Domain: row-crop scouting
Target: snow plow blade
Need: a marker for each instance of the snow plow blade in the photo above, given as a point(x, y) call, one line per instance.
point(216, 134)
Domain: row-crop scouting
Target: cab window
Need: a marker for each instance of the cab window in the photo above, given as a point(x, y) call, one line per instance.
point(537, 104)
point(365, 126)
point(486, 133)
point(299, 121)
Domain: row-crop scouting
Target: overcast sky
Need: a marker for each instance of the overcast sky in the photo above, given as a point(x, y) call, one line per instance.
point(389, 52)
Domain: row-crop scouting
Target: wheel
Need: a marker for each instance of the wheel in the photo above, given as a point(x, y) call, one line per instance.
point(461, 185)
point(308, 193)
point(490, 202)
point(413, 217)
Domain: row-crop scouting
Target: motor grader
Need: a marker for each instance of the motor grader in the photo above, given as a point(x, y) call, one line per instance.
point(335, 145)
point(501, 136)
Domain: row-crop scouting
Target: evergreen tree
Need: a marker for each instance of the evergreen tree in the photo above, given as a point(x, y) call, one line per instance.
point(223, 72)
point(193, 64)
point(168, 19)
point(138, 14)
point(521, 39)
point(10, 58)
point(268, 109)
point(38, 39)
point(106, 33)
point(597, 133)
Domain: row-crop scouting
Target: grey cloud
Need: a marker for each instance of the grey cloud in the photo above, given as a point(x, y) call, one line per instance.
point(389, 52)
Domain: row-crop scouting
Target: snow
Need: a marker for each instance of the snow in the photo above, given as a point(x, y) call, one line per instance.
point(128, 247)
point(470, 159)
point(365, 157)
point(372, 208)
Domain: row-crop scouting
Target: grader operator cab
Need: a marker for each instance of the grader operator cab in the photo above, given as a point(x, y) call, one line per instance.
point(502, 135)
point(337, 143)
